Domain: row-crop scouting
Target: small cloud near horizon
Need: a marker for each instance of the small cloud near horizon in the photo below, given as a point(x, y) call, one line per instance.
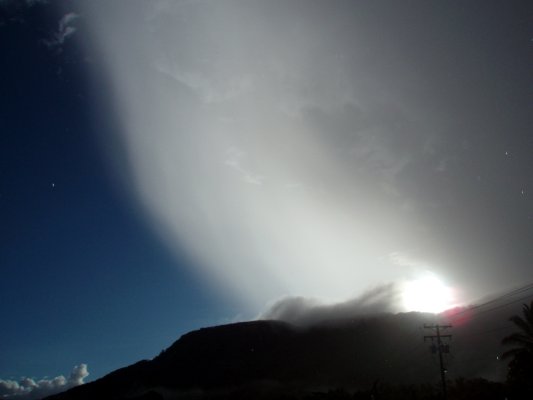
point(29, 389)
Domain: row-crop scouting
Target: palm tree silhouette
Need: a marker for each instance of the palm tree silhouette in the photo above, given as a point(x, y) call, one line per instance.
point(520, 370)
point(523, 340)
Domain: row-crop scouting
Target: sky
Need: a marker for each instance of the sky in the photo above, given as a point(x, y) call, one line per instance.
point(168, 165)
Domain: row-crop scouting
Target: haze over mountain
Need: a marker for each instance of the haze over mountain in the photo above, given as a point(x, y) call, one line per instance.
point(268, 358)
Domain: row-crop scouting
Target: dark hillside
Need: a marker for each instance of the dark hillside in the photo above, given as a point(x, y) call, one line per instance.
point(351, 353)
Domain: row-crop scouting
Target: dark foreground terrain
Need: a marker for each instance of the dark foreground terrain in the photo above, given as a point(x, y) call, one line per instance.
point(376, 357)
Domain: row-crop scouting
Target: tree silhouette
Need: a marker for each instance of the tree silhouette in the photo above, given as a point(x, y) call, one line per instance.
point(523, 340)
point(521, 366)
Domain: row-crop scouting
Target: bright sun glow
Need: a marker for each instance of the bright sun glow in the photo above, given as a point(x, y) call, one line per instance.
point(428, 294)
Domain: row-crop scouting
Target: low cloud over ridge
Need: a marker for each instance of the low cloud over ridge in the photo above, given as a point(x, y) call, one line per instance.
point(307, 311)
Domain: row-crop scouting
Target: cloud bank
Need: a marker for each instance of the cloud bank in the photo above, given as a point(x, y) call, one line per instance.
point(307, 311)
point(29, 389)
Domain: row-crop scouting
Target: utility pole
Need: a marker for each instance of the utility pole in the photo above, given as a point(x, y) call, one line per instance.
point(440, 348)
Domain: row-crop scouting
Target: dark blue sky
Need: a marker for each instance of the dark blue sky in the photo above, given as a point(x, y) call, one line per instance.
point(83, 278)
point(170, 165)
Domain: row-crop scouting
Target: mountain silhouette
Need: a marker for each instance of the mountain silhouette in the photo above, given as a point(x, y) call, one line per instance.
point(265, 356)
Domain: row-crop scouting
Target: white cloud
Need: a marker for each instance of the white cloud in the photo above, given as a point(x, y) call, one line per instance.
point(234, 160)
point(29, 389)
point(404, 259)
point(208, 89)
point(67, 20)
point(64, 31)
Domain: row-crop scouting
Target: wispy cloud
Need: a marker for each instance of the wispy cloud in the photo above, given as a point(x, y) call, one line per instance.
point(29, 388)
point(208, 89)
point(64, 31)
point(404, 259)
point(234, 160)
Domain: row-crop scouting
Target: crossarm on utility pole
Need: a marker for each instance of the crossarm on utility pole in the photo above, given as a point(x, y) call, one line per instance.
point(439, 338)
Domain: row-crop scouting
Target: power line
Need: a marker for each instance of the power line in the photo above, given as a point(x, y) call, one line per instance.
point(504, 305)
point(398, 353)
point(478, 313)
point(511, 293)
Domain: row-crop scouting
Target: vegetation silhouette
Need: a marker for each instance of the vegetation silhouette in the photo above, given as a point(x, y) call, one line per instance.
point(520, 372)
point(379, 357)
